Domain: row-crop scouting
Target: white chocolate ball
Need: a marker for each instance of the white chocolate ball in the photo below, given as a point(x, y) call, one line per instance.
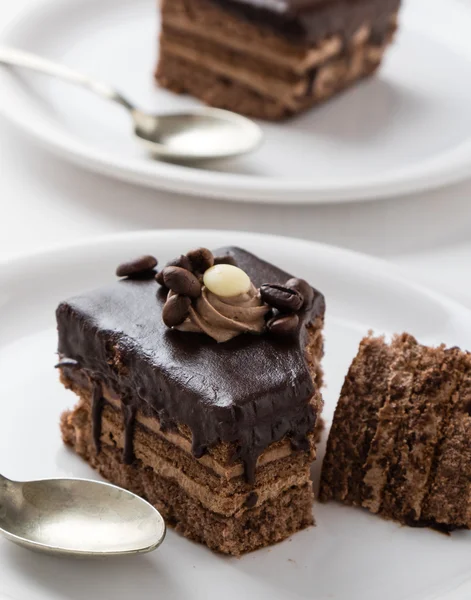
point(226, 281)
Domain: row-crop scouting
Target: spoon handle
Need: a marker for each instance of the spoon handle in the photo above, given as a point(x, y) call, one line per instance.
point(18, 58)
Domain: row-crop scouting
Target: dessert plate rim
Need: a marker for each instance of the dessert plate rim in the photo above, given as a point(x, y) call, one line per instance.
point(447, 167)
point(63, 259)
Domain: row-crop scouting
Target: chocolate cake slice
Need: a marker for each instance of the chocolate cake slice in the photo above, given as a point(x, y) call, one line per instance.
point(200, 395)
point(271, 59)
point(399, 443)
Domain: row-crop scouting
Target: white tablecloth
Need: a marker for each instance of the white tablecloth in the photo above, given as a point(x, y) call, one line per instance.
point(45, 201)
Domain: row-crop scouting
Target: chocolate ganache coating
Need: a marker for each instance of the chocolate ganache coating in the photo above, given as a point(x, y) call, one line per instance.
point(250, 391)
point(310, 21)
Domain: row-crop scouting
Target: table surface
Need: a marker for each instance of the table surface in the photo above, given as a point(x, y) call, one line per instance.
point(45, 201)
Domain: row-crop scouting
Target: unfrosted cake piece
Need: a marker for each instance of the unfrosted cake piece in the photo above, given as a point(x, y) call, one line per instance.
point(271, 59)
point(400, 443)
point(199, 389)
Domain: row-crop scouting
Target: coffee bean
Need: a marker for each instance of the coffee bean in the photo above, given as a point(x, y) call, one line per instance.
point(175, 310)
point(143, 275)
point(283, 326)
point(303, 287)
point(181, 261)
point(225, 260)
point(201, 259)
point(136, 266)
point(280, 297)
point(160, 278)
point(181, 282)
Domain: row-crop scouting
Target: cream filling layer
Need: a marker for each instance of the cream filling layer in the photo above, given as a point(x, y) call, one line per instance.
point(224, 505)
point(227, 472)
point(297, 59)
point(310, 58)
point(283, 449)
point(284, 92)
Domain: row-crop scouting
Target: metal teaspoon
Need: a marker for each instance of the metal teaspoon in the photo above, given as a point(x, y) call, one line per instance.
point(78, 517)
point(193, 135)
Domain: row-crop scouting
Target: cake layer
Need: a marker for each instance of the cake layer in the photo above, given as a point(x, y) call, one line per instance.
point(301, 22)
point(266, 78)
point(412, 463)
point(184, 75)
point(220, 494)
point(279, 54)
point(237, 392)
point(220, 460)
point(251, 527)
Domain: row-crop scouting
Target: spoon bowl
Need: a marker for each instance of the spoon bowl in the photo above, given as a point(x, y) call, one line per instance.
point(78, 517)
point(202, 134)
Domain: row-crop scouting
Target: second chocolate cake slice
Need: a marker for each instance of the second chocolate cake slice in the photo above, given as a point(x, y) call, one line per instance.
point(411, 461)
point(203, 398)
point(271, 58)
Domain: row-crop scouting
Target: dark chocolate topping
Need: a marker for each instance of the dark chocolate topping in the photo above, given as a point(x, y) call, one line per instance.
point(251, 391)
point(310, 21)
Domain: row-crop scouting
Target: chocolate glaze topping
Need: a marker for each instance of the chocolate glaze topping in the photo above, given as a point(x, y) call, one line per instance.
point(129, 414)
point(250, 391)
point(310, 21)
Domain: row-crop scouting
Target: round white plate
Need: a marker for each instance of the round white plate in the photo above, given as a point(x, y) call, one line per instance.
point(407, 129)
point(350, 555)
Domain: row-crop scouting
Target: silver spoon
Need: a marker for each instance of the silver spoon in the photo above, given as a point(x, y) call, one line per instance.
point(193, 135)
point(78, 517)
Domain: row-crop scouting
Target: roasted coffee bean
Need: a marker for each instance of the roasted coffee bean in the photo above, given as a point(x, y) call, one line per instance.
point(303, 287)
point(160, 278)
point(175, 310)
point(181, 261)
point(225, 260)
point(143, 275)
point(283, 326)
point(136, 266)
point(201, 259)
point(181, 282)
point(280, 297)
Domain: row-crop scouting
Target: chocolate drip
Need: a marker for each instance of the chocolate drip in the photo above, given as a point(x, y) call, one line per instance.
point(97, 411)
point(251, 500)
point(311, 80)
point(129, 413)
point(300, 443)
point(248, 392)
point(197, 448)
point(250, 466)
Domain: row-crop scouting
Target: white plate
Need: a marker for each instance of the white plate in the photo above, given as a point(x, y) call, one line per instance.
point(408, 129)
point(350, 555)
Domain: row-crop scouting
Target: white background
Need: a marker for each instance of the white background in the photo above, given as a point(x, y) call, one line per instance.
point(45, 201)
